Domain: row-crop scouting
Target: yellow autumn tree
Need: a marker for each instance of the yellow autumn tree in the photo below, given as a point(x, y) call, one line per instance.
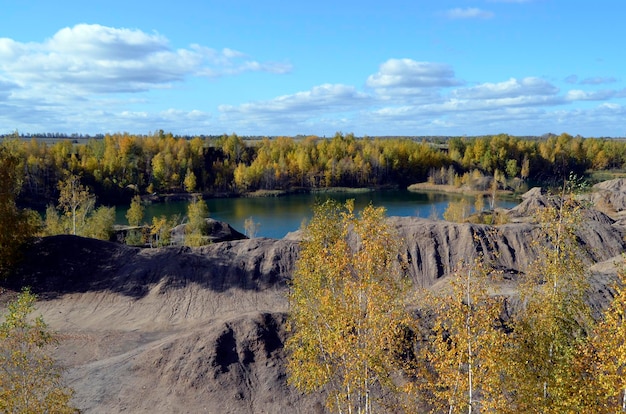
point(161, 230)
point(134, 215)
point(16, 225)
point(601, 362)
point(459, 363)
point(30, 380)
point(346, 307)
point(457, 211)
point(553, 321)
point(195, 231)
point(76, 201)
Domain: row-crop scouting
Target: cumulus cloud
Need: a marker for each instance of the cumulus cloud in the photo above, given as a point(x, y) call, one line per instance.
point(7, 86)
point(327, 97)
point(601, 95)
point(512, 88)
point(468, 13)
point(531, 104)
point(99, 59)
point(332, 105)
point(410, 77)
point(89, 78)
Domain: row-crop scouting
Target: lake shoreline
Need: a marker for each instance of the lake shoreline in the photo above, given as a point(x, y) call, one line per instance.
point(450, 189)
point(279, 215)
point(167, 197)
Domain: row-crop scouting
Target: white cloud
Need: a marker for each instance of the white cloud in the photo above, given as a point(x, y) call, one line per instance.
point(601, 95)
point(412, 75)
point(98, 59)
point(6, 87)
point(468, 13)
point(529, 105)
point(87, 78)
point(530, 86)
point(101, 42)
point(325, 97)
point(334, 106)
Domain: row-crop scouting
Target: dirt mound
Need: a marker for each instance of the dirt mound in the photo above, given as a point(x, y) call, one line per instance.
point(222, 366)
point(610, 196)
point(617, 185)
point(533, 200)
point(181, 329)
point(68, 264)
point(217, 231)
point(433, 249)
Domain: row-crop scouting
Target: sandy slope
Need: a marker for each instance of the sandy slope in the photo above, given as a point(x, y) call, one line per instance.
point(202, 330)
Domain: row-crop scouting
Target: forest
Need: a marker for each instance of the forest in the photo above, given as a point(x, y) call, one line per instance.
point(118, 166)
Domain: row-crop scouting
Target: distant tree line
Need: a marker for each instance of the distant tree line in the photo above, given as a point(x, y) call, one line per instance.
point(118, 166)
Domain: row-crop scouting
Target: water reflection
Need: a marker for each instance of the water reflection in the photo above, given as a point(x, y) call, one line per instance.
point(279, 215)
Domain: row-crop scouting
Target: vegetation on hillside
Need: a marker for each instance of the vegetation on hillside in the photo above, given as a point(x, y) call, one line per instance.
point(30, 380)
point(346, 307)
point(460, 352)
point(16, 225)
point(118, 166)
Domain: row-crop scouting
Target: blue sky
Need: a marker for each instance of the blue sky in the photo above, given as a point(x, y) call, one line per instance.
point(394, 67)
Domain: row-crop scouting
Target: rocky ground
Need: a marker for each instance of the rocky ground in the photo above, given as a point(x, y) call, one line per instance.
point(193, 330)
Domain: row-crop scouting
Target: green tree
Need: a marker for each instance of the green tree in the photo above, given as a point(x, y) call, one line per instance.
point(16, 226)
point(190, 181)
point(459, 365)
point(75, 200)
point(196, 229)
point(99, 225)
point(601, 362)
point(553, 321)
point(30, 380)
point(346, 307)
point(512, 168)
point(134, 215)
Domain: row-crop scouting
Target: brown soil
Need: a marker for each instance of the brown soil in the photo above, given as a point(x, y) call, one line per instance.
point(189, 330)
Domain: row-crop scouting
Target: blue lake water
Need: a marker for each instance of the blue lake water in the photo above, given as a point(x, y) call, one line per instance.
point(278, 216)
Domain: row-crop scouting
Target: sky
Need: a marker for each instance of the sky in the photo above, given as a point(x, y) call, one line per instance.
point(286, 68)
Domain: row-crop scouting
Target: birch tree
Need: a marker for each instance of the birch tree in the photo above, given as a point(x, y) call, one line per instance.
point(134, 215)
point(601, 363)
point(458, 369)
point(346, 307)
point(195, 231)
point(75, 200)
point(30, 380)
point(553, 320)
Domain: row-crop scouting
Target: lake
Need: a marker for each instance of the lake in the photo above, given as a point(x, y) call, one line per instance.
point(278, 216)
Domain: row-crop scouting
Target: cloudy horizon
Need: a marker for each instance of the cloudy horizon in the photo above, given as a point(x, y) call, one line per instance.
point(96, 78)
